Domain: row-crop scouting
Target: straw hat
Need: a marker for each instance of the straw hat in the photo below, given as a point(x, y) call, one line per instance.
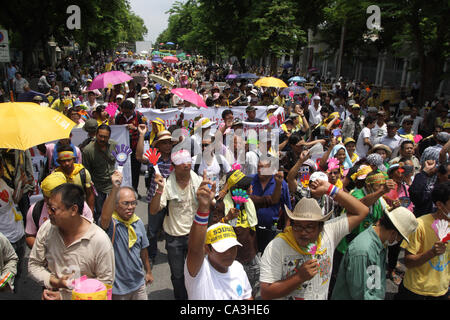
point(307, 209)
point(404, 221)
point(163, 135)
point(383, 147)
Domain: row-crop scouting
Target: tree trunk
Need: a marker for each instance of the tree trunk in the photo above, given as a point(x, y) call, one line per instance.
point(431, 70)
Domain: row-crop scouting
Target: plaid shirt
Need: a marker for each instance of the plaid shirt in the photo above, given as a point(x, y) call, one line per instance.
point(135, 120)
point(165, 167)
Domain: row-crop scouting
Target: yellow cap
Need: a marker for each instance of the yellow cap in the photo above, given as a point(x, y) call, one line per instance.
point(51, 182)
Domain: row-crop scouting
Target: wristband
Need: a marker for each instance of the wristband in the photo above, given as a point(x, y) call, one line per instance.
point(332, 192)
point(159, 192)
point(201, 218)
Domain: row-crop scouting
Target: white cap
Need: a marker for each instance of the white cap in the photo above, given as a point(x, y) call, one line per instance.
point(221, 237)
point(318, 175)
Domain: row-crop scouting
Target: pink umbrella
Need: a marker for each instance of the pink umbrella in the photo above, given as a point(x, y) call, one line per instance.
point(189, 95)
point(170, 59)
point(109, 79)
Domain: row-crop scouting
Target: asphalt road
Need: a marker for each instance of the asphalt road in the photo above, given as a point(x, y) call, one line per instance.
point(160, 289)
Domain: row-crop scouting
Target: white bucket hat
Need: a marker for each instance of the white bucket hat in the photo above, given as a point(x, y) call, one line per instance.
point(404, 221)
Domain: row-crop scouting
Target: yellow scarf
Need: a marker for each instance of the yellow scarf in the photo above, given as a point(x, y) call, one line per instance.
point(288, 236)
point(132, 237)
point(77, 168)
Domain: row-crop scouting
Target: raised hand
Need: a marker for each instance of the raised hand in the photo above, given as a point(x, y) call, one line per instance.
point(142, 128)
point(159, 181)
point(116, 179)
point(319, 188)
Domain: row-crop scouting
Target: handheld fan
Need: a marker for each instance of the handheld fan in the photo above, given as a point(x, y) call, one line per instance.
point(153, 156)
point(312, 249)
point(111, 108)
point(442, 230)
point(239, 197)
point(121, 154)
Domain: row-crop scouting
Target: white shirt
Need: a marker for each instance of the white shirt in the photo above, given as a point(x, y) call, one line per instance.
point(314, 115)
point(210, 284)
point(378, 132)
point(280, 260)
point(361, 148)
point(212, 170)
point(11, 229)
point(392, 143)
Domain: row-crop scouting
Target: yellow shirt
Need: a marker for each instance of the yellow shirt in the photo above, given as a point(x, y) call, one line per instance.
point(75, 177)
point(432, 278)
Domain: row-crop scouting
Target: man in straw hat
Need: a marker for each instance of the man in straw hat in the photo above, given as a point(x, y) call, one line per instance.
point(362, 271)
point(216, 276)
point(297, 264)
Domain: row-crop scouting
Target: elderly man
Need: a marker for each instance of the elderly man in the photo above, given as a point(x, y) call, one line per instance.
point(66, 239)
point(129, 239)
point(100, 163)
point(297, 264)
point(177, 193)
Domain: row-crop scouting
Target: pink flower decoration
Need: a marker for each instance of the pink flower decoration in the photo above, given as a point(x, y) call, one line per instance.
point(333, 163)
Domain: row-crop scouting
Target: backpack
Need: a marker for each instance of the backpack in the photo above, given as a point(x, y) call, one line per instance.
point(37, 211)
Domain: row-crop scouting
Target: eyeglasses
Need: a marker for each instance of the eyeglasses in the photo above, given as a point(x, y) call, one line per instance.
point(334, 173)
point(128, 203)
point(307, 229)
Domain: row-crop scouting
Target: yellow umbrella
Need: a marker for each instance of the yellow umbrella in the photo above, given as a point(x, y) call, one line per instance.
point(270, 82)
point(160, 80)
point(25, 124)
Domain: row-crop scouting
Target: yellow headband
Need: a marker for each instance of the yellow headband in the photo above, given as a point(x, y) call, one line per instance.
point(235, 178)
point(220, 233)
point(64, 155)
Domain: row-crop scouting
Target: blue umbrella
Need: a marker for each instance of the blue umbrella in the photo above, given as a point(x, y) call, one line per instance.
point(28, 96)
point(231, 76)
point(170, 42)
point(157, 60)
point(297, 79)
point(247, 76)
point(142, 63)
point(295, 89)
point(287, 65)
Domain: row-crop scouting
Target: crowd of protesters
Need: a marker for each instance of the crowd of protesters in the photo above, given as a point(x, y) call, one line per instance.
point(356, 182)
